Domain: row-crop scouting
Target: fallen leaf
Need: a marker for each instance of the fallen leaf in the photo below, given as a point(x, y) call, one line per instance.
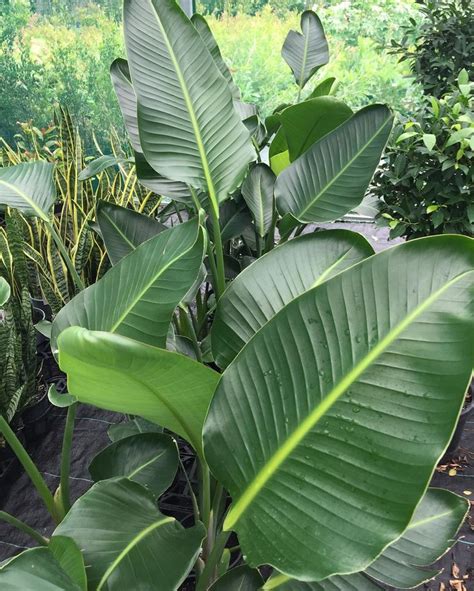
point(455, 570)
point(452, 472)
point(468, 492)
point(442, 587)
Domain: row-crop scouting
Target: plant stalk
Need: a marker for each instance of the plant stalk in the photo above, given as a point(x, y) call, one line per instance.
point(30, 468)
point(219, 251)
point(25, 528)
point(66, 457)
point(209, 573)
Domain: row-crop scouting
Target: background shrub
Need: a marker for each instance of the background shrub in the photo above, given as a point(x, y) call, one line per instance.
point(441, 46)
point(426, 185)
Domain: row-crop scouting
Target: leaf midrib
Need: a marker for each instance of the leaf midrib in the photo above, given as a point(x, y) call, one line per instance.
point(39, 212)
point(295, 438)
point(142, 467)
point(345, 167)
point(192, 114)
point(148, 285)
point(129, 547)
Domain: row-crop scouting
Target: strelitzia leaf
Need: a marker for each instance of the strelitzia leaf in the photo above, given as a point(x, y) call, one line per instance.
point(28, 187)
point(257, 190)
point(4, 291)
point(327, 426)
point(168, 388)
point(331, 177)
point(275, 279)
point(119, 527)
point(137, 296)
point(429, 535)
point(124, 229)
point(150, 459)
point(177, 112)
point(306, 52)
point(36, 569)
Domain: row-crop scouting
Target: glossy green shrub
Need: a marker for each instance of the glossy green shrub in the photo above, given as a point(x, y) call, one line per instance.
point(426, 183)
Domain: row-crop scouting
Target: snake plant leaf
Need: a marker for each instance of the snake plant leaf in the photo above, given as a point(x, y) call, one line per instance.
point(28, 187)
point(119, 374)
point(307, 51)
point(275, 279)
point(133, 427)
point(127, 542)
point(189, 129)
point(70, 559)
point(205, 32)
point(150, 459)
point(257, 191)
point(137, 296)
point(123, 229)
point(121, 81)
point(305, 123)
point(430, 534)
point(36, 569)
point(4, 291)
point(331, 177)
point(241, 578)
point(327, 426)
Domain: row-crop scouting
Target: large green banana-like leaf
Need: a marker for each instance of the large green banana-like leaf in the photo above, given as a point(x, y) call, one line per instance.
point(28, 187)
point(356, 582)
point(327, 426)
point(206, 35)
point(257, 191)
point(36, 569)
point(127, 543)
point(241, 578)
point(306, 123)
point(148, 458)
point(147, 176)
point(429, 535)
point(272, 281)
point(4, 291)
point(306, 52)
point(331, 177)
point(123, 229)
point(120, 76)
point(189, 129)
point(123, 375)
point(431, 532)
point(70, 558)
point(136, 298)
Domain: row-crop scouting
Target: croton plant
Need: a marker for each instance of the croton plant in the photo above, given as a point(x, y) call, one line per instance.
point(317, 383)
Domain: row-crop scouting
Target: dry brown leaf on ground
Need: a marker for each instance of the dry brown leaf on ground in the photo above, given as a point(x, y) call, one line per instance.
point(455, 570)
point(442, 587)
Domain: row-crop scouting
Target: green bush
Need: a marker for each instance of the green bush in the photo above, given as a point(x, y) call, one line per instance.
point(426, 183)
point(442, 45)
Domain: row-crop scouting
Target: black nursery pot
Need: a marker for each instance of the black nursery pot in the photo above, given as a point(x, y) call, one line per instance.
point(35, 418)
